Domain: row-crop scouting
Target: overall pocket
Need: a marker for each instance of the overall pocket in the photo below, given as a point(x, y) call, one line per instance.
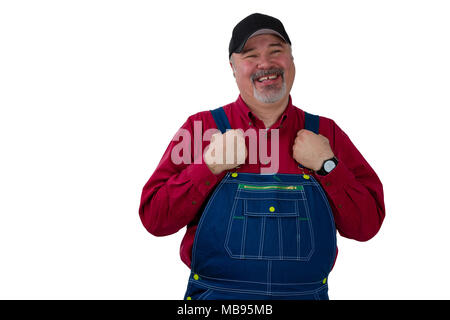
point(270, 222)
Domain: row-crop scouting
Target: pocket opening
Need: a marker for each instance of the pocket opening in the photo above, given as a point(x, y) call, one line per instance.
point(270, 187)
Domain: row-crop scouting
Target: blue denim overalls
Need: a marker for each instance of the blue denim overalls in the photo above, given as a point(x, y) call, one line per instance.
point(263, 236)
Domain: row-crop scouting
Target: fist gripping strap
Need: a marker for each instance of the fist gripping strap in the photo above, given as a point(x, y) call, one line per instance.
point(221, 119)
point(219, 116)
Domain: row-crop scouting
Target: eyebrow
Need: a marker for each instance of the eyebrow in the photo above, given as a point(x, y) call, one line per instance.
point(244, 51)
point(277, 44)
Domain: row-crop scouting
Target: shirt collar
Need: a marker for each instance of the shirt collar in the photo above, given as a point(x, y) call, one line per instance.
point(250, 118)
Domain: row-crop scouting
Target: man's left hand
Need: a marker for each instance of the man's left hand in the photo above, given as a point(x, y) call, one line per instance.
point(311, 150)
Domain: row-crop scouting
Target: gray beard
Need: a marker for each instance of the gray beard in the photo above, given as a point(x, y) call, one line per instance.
point(271, 94)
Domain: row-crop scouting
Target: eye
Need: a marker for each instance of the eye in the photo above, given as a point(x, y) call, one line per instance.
point(276, 51)
point(251, 56)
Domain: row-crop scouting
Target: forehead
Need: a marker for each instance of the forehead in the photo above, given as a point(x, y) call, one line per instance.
point(263, 40)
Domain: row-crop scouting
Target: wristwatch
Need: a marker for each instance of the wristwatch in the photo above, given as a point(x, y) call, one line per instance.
point(328, 166)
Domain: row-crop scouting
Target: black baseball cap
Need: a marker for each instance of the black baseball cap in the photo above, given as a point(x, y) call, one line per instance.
point(253, 25)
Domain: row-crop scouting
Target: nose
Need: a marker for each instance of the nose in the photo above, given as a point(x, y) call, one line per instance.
point(264, 62)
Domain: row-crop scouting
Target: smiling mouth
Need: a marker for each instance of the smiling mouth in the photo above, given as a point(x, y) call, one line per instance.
point(267, 78)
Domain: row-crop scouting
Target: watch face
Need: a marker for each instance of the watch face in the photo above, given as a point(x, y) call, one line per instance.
point(329, 165)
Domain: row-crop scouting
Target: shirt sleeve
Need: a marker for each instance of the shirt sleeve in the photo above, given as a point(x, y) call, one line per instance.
point(174, 194)
point(354, 190)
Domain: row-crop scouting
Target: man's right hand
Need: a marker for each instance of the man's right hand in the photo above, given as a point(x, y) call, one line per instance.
point(220, 154)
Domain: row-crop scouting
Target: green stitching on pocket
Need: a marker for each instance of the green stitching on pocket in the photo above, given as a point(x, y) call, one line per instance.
point(274, 187)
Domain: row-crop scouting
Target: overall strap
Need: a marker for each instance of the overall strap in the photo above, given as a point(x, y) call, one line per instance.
point(312, 122)
point(221, 119)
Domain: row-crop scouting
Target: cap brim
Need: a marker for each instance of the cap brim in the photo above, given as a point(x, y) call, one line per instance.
point(257, 33)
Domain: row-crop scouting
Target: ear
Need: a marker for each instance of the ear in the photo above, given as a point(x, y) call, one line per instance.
point(232, 68)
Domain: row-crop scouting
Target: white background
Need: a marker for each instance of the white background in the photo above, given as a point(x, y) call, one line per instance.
point(91, 92)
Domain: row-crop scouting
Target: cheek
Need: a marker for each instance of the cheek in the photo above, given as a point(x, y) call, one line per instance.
point(289, 68)
point(243, 75)
point(292, 72)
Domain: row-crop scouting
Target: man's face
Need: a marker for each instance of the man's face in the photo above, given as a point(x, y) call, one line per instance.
point(264, 70)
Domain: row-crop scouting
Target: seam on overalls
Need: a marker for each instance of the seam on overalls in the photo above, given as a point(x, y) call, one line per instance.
point(273, 293)
point(229, 289)
point(205, 294)
point(269, 275)
point(311, 233)
point(297, 223)
point(244, 232)
point(296, 293)
point(256, 282)
point(261, 239)
point(230, 224)
point(319, 291)
point(280, 238)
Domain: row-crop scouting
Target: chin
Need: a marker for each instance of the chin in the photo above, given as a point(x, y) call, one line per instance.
point(272, 97)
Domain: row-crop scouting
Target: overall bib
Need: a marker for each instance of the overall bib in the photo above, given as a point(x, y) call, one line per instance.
point(263, 236)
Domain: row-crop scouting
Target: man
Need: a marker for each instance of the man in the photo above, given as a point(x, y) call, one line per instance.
point(262, 227)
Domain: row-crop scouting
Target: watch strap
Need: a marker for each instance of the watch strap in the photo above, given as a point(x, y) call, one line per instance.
point(322, 170)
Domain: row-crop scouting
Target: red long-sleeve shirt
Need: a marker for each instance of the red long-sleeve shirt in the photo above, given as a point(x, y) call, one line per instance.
point(176, 194)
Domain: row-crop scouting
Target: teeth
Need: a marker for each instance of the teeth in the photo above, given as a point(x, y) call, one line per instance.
point(267, 78)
